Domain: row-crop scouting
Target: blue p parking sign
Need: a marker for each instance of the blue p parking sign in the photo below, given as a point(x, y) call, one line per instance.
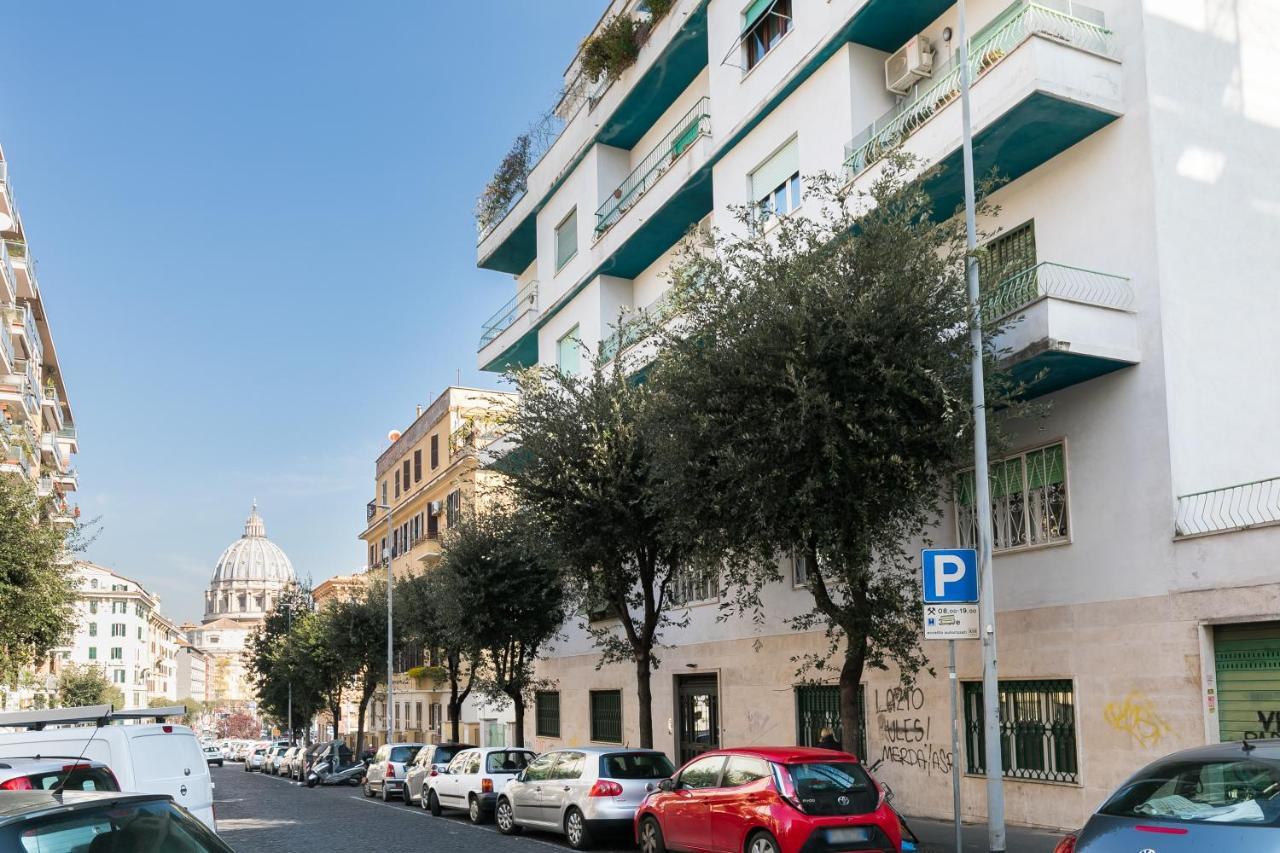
point(950, 575)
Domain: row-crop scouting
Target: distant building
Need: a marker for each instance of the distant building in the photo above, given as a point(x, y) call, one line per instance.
point(338, 588)
point(193, 670)
point(250, 576)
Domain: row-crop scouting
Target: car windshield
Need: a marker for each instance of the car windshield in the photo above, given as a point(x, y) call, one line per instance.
point(507, 761)
point(636, 765)
point(151, 827)
point(1242, 792)
point(401, 754)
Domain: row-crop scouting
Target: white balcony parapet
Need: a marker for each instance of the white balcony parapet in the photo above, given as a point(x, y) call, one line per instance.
point(1238, 507)
point(524, 303)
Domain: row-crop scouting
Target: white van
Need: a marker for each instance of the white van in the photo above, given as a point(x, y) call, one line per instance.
point(147, 758)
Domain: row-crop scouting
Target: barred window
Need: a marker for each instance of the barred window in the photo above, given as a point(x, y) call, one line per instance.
point(1037, 730)
point(606, 716)
point(546, 713)
point(818, 708)
point(1007, 255)
point(1028, 501)
point(692, 586)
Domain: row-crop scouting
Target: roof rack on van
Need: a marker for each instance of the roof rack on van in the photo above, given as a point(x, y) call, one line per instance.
point(158, 714)
point(36, 720)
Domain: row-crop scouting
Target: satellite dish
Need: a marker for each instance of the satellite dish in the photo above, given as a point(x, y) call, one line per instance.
point(393, 436)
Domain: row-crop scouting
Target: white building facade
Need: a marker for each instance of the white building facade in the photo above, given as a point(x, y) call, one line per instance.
point(1133, 569)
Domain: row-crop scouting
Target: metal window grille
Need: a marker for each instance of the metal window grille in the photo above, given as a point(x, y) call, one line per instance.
point(818, 708)
point(606, 716)
point(1008, 254)
point(1037, 730)
point(692, 586)
point(1028, 500)
point(546, 713)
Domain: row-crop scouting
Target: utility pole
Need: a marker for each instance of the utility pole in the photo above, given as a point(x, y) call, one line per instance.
point(288, 616)
point(386, 554)
point(981, 471)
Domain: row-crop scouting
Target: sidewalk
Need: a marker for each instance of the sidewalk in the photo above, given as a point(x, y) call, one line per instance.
point(936, 836)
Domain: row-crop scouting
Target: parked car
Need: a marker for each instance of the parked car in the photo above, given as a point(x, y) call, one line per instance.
point(429, 761)
point(43, 774)
point(473, 779)
point(1223, 797)
point(213, 755)
point(769, 800)
point(272, 763)
point(255, 756)
point(284, 765)
point(581, 792)
point(387, 772)
point(93, 821)
point(159, 758)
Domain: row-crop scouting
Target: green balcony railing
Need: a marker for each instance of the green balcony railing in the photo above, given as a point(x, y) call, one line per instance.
point(1060, 282)
point(1072, 23)
point(524, 302)
point(1239, 507)
point(694, 124)
point(631, 330)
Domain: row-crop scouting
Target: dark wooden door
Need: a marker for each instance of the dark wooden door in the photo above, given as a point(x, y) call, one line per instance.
point(698, 715)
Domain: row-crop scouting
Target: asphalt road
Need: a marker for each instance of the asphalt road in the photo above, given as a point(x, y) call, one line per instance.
point(266, 814)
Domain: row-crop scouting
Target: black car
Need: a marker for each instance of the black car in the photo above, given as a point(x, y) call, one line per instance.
point(101, 822)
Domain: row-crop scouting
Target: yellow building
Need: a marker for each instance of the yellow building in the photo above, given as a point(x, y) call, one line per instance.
point(423, 484)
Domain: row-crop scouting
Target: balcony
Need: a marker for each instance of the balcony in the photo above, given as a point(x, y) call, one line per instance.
point(1240, 507)
point(10, 222)
point(17, 461)
point(69, 438)
point(52, 403)
point(52, 450)
point(1042, 81)
point(503, 338)
point(8, 278)
point(1066, 325)
point(22, 323)
point(68, 480)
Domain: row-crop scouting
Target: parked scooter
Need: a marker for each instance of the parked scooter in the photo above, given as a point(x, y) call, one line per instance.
point(349, 774)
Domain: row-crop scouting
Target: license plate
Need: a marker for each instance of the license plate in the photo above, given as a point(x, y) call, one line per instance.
point(846, 835)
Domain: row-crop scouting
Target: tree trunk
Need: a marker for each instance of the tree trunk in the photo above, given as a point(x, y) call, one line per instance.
point(365, 695)
point(455, 714)
point(644, 696)
point(850, 677)
point(518, 700)
point(335, 708)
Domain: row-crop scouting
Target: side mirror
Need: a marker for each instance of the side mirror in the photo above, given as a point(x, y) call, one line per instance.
point(667, 785)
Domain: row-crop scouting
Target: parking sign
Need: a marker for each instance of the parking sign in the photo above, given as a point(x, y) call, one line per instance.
point(950, 575)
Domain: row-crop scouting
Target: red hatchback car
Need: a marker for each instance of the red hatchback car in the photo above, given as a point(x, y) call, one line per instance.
point(769, 800)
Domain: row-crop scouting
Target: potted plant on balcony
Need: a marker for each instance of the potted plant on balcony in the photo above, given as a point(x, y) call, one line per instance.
point(505, 185)
point(990, 58)
point(614, 48)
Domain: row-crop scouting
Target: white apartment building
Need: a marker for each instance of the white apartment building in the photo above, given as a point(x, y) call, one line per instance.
point(1134, 575)
point(120, 630)
point(37, 432)
point(192, 671)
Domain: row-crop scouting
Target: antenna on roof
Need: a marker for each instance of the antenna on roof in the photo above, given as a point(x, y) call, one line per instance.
point(98, 723)
point(1245, 745)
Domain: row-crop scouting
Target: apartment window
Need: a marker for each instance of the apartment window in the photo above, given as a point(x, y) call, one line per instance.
point(433, 526)
point(93, 605)
point(1008, 254)
point(435, 452)
point(417, 465)
point(569, 352)
point(372, 558)
point(434, 717)
point(1028, 500)
point(213, 640)
point(818, 708)
point(118, 676)
point(417, 715)
point(692, 586)
point(404, 474)
point(546, 704)
point(775, 183)
point(606, 716)
point(383, 549)
point(765, 22)
point(799, 568)
point(93, 629)
point(139, 632)
point(397, 489)
point(93, 653)
point(453, 508)
point(567, 239)
point(1037, 730)
point(117, 653)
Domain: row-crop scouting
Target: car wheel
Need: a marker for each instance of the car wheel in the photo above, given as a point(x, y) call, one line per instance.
point(474, 811)
point(651, 840)
point(425, 799)
point(762, 842)
point(386, 794)
point(368, 792)
point(576, 832)
point(434, 804)
point(505, 818)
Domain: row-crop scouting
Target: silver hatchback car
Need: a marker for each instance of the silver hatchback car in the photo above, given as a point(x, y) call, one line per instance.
point(1223, 797)
point(583, 792)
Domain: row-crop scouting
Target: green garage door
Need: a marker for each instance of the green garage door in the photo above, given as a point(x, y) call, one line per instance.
point(1247, 659)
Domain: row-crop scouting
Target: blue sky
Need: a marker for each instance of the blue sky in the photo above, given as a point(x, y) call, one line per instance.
point(253, 229)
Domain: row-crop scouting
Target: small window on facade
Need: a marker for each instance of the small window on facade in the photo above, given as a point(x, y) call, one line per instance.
point(775, 184)
point(417, 465)
point(433, 526)
point(569, 352)
point(799, 568)
point(1037, 730)
point(765, 22)
point(93, 629)
point(1028, 500)
point(93, 605)
point(435, 452)
point(397, 491)
point(606, 716)
point(93, 653)
point(384, 491)
point(453, 508)
point(404, 474)
point(547, 713)
point(692, 586)
point(567, 239)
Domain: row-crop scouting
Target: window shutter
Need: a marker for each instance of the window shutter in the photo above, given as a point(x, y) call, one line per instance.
point(755, 12)
point(774, 171)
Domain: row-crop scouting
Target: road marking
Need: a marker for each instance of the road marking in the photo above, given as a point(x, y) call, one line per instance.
point(452, 823)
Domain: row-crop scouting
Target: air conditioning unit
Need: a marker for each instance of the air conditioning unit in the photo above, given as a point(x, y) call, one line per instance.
point(435, 507)
point(913, 61)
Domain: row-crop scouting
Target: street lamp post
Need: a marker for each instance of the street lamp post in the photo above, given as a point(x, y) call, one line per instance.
point(982, 491)
point(288, 615)
point(386, 554)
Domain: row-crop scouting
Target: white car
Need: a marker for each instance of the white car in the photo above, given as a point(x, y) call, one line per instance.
point(213, 754)
point(45, 774)
point(387, 772)
point(150, 758)
point(473, 779)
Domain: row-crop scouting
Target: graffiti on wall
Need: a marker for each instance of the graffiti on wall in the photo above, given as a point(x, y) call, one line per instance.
point(1268, 726)
point(1136, 716)
point(905, 727)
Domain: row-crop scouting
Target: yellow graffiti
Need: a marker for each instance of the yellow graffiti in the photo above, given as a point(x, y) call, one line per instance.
point(1136, 716)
